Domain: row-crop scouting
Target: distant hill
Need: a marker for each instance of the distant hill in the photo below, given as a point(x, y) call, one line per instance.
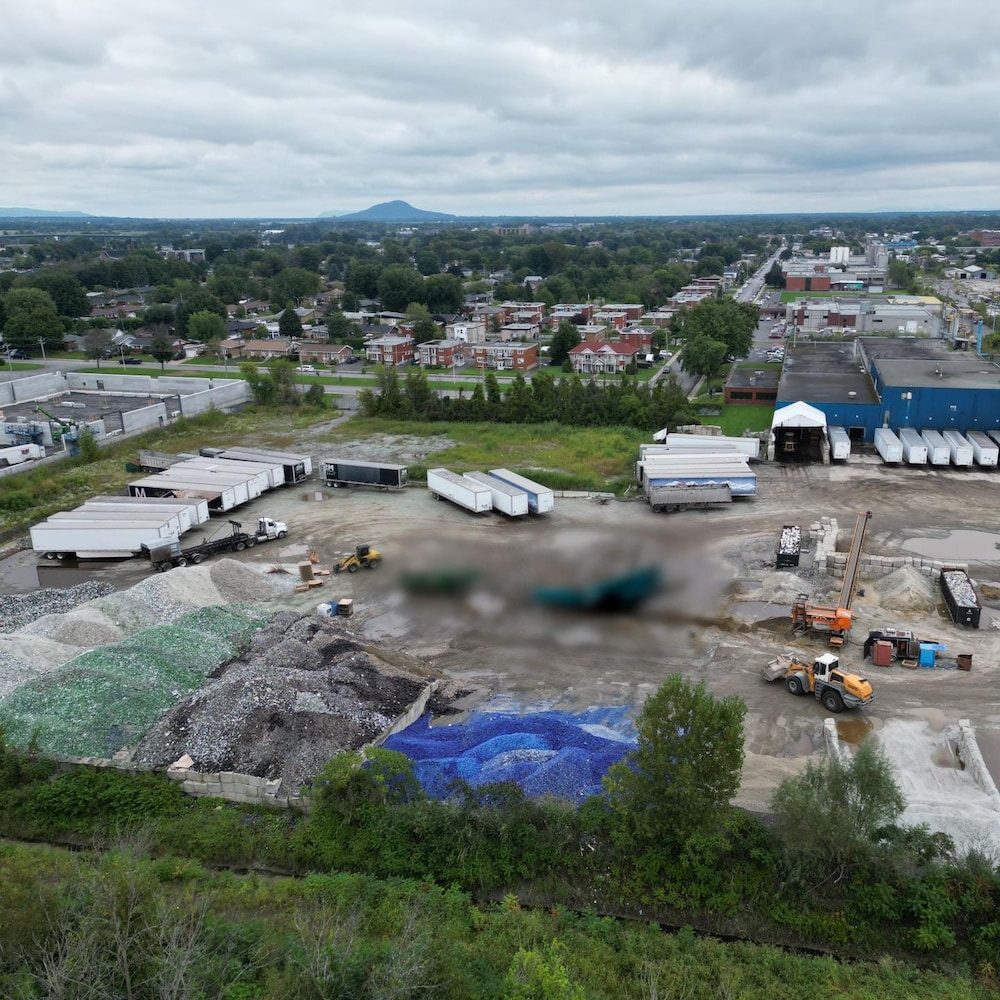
point(396, 211)
point(40, 213)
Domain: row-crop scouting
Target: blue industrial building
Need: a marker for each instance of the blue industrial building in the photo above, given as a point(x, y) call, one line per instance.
point(891, 382)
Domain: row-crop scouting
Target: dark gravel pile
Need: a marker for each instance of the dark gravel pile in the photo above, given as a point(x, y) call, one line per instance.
point(20, 609)
point(305, 690)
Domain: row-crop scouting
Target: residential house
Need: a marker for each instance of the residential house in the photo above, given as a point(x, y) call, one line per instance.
point(577, 313)
point(609, 318)
point(390, 350)
point(609, 358)
point(507, 356)
point(593, 333)
point(638, 337)
point(268, 350)
point(469, 331)
point(442, 353)
point(327, 354)
point(634, 311)
point(518, 331)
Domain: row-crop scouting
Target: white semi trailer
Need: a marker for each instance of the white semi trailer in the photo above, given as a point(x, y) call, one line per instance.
point(914, 446)
point(959, 449)
point(888, 446)
point(840, 444)
point(541, 499)
point(984, 450)
point(197, 508)
point(95, 539)
point(938, 452)
point(447, 485)
point(507, 499)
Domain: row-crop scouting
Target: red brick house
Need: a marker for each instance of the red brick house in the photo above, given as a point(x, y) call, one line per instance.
point(443, 353)
point(638, 337)
point(390, 350)
point(505, 356)
point(609, 358)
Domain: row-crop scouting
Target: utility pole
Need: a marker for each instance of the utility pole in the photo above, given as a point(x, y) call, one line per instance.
point(41, 344)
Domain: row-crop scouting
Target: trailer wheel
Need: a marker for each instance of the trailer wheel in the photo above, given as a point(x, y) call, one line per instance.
point(353, 568)
point(50, 555)
point(794, 685)
point(251, 542)
point(240, 546)
point(832, 701)
point(282, 534)
point(436, 497)
point(373, 563)
point(197, 558)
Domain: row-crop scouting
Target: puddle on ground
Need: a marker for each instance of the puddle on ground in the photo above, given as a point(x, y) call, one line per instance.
point(961, 546)
point(853, 731)
point(759, 611)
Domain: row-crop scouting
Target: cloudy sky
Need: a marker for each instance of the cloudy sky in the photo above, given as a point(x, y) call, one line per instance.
point(241, 108)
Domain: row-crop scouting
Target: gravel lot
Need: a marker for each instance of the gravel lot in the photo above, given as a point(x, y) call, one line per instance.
point(723, 614)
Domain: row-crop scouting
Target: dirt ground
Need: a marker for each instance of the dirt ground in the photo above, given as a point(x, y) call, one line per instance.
point(721, 616)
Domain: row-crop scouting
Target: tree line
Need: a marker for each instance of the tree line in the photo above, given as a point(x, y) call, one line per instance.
point(568, 399)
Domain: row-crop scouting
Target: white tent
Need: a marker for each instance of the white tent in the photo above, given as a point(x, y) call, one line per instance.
point(798, 414)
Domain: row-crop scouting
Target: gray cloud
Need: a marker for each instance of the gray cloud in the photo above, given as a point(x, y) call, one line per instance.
point(646, 107)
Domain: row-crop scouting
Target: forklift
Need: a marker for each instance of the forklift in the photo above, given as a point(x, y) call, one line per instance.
point(363, 555)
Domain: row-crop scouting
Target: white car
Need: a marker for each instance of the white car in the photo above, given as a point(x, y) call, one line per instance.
point(306, 370)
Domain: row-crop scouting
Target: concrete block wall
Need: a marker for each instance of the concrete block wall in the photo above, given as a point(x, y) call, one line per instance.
point(33, 387)
point(972, 758)
point(112, 381)
point(224, 393)
point(147, 418)
point(827, 559)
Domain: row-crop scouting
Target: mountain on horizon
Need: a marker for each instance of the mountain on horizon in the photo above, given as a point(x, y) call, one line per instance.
point(40, 213)
point(395, 211)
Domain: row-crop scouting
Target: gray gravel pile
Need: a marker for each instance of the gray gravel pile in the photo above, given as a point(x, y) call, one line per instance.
point(305, 690)
point(17, 610)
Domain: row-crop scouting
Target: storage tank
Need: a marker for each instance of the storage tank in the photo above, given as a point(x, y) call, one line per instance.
point(985, 451)
point(914, 446)
point(888, 445)
point(938, 452)
point(958, 447)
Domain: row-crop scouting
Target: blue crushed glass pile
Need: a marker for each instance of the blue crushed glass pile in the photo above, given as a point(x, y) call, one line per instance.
point(543, 752)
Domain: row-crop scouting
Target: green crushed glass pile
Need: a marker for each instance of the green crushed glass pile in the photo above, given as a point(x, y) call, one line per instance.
point(107, 698)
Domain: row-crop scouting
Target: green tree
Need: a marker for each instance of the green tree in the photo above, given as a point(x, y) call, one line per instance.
point(427, 262)
point(97, 344)
point(566, 337)
point(289, 324)
point(443, 293)
point(161, 347)
point(775, 278)
point(206, 327)
point(703, 356)
point(424, 328)
point(159, 316)
point(294, 283)
point(839, 809)
point(686, 767)
point(30, 316)
point(541, 975)
point(362, 278)
point(900, 274)
point(200, 300)
point(726, 320)
point(69, 296)
point(398, 286)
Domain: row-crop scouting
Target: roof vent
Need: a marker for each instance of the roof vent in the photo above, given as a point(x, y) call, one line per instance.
point(851, 395)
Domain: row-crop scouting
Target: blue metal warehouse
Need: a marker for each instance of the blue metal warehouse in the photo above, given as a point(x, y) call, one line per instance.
point(893, 382)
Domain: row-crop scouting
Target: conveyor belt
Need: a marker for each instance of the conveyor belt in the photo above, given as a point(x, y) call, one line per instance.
point(853, 567)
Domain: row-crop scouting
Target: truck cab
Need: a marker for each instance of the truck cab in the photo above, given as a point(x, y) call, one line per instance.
point(268, 528)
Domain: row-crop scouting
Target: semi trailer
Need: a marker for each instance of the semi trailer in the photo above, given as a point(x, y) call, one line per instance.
point(750, 447)
point(95, 539)
point(984, 450)
point(197, 508)
point(889, 447)
point(914, 446)
point(840, 444)
point(382, 475)
point(507, 499)
point(297, 467)
point(938, 452)
point(218, 497)
point(686, 497)
point(541, 499)
point(447, 485)
point(958, 448)
point(268, 476)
